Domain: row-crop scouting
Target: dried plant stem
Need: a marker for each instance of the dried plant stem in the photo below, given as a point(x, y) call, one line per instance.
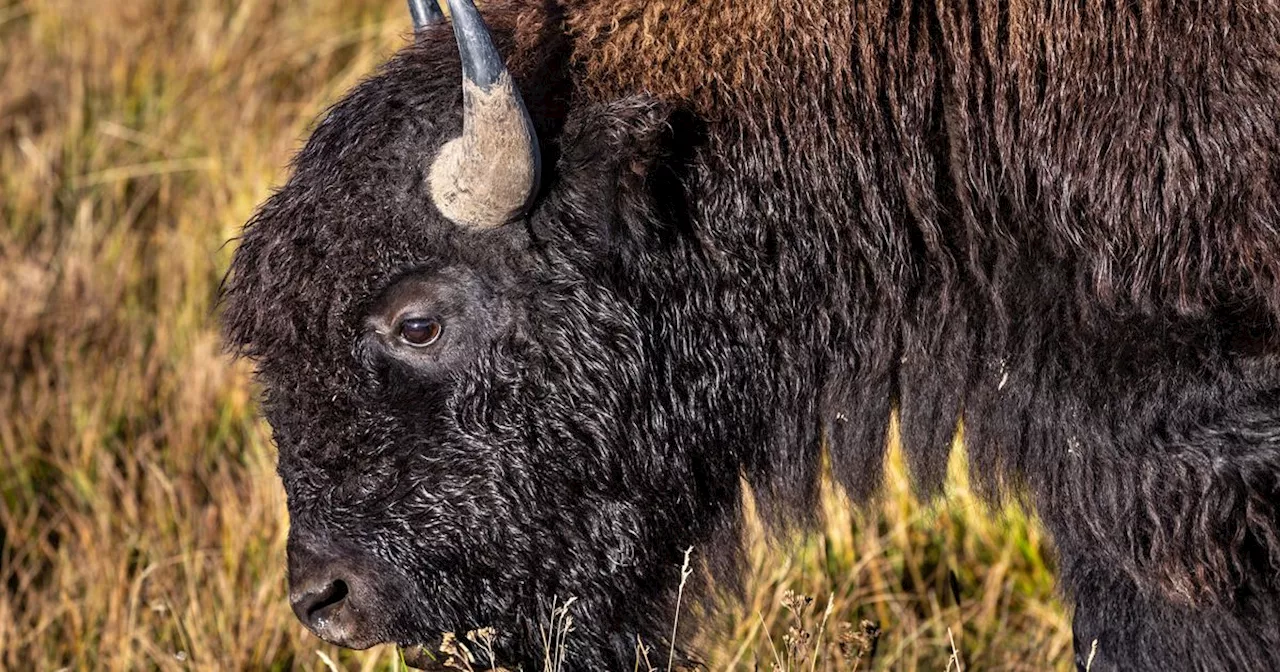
point(675, 625)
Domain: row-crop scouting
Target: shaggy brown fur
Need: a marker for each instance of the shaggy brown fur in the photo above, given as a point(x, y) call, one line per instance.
point(1015, 77)
point(1093, 131)
point(1096, 132)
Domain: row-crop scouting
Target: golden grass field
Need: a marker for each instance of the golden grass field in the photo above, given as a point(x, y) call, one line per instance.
point(141, 522)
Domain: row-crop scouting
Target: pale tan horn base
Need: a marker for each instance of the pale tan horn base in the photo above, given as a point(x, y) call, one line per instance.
point(484, 179)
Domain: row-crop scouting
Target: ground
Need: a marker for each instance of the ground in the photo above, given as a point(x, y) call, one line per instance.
point(141, 522)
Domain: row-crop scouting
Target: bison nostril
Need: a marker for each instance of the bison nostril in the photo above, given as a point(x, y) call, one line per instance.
point(317, 605)
point(336, 593)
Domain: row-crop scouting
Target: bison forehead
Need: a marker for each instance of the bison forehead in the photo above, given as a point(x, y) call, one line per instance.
point(357, 210)
point(354, 215)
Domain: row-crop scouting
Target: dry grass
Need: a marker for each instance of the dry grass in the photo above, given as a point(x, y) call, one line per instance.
point(946, 587)
point(142, 525)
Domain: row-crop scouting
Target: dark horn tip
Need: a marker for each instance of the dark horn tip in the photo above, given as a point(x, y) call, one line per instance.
point(481, 62)
point(425, 13)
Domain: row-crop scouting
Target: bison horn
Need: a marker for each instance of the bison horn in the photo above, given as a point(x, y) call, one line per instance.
point(425, 13)
point(488, 175)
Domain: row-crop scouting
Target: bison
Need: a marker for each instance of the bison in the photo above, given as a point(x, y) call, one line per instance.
point(525, 337)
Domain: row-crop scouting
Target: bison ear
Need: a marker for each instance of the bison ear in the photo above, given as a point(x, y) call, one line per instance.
point(621, 175)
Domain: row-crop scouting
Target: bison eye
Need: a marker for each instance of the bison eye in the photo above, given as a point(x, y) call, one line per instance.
point(420, 331)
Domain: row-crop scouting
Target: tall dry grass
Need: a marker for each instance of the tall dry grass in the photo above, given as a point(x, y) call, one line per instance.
point(141, 524)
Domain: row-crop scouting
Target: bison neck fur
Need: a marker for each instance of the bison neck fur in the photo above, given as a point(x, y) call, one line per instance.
point(766, 226)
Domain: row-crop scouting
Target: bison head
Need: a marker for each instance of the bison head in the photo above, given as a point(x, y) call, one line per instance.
point(487, 391)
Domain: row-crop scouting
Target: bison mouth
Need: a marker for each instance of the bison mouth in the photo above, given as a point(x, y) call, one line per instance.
point(424, 657)
point(449, 653)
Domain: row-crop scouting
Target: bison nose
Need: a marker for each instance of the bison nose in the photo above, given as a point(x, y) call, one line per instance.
point(327, 593)
point(318, 603)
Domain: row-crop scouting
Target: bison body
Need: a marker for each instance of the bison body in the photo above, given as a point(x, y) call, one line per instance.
point(761, 228)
